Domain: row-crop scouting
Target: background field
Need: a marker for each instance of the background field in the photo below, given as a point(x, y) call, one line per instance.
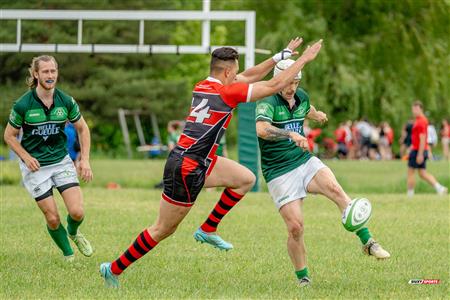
point(414, 231)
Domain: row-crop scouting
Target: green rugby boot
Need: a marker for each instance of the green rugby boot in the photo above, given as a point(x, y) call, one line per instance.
point(82, 243)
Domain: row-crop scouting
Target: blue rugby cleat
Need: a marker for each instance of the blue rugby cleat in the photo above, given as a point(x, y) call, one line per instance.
point(212, 239)
point(111, 280)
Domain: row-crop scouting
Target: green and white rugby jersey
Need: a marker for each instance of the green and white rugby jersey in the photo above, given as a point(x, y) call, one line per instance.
point(280, 157)
point(43, 128)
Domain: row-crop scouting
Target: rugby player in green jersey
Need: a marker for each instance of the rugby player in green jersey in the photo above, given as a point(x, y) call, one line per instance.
point(291, 171)
point(44, 161)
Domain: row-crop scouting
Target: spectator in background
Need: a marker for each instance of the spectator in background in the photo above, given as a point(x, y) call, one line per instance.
point(311, 136)
point(445, 138)
point(365, 131)
point(386, 139)
point(174, 129)
point(340, 135)
point(432, 139)
point(356, 138)
point(73, 145)
point(374, 143)
point(349, 139)
point(405, 139)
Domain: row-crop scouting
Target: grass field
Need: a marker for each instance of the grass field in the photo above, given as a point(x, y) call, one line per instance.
point(416, 232)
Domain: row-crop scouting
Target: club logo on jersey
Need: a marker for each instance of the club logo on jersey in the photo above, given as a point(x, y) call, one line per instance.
point(201, 112)
point(59, 112)
point(46, 130)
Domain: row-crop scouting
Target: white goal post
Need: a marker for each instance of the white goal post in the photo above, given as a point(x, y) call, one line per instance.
point(248, 148)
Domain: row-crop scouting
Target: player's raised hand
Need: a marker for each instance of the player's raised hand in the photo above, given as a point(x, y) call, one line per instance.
point(311, 51)
point(84, 170)
point(288, 51)
point(294, 44)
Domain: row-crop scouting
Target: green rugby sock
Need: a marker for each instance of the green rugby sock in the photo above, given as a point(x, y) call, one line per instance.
point(364, 235)
point(302, 273)
point(59, 236)
point(72, 225)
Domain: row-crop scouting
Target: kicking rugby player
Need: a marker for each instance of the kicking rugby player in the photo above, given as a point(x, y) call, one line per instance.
point(291, 171)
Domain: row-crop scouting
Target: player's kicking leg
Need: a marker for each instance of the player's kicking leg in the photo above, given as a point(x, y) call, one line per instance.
point(73, 200)
point(325, 183)
point(292, 214)
point(170, 216)
point(237, 180)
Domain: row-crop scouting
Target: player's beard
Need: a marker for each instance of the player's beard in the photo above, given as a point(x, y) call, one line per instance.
point(47, 86)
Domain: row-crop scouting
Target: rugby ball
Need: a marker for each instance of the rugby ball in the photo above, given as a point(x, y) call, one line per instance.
point(357, 214)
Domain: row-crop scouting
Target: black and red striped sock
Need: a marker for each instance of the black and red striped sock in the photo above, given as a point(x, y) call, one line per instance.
point(143, 244)
point(228, 199)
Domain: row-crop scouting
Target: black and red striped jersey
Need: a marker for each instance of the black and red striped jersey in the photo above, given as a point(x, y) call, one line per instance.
point(210, 114)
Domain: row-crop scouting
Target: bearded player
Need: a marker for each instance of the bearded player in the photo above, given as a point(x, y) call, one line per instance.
point(291, 171)
point(193, 163)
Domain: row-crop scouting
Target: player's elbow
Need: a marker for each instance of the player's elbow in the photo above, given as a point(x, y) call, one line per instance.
point(260, 130)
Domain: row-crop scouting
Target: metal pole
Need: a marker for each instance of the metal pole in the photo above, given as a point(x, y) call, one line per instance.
point(80, 32)
point(141, 32)
point(155, 127)
point(126, 135)
point(247, 142)
point(19, 32)
point(206, 26)
point(140, 132)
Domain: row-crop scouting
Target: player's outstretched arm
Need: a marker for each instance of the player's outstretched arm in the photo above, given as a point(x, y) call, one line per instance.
point(263, 89)
point(317, 115)
point(260, 71)
point(268, 132)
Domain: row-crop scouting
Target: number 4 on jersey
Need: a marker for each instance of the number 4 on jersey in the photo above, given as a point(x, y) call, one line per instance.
point(200, 112)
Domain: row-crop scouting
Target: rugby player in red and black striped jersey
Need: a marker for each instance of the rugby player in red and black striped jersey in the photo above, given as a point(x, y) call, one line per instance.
point(193, 163)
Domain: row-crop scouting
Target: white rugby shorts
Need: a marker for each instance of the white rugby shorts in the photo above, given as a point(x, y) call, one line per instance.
point(293, 185)
point(43, 180)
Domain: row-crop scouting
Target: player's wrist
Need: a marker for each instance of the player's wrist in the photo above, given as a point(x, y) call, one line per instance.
point(282, 55)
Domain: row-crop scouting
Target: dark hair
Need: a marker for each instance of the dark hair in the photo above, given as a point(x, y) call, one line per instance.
point(418, 103)
point(220, 55)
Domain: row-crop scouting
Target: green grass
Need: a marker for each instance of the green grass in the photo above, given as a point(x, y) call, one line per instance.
point(416, 232)
point(358, 177)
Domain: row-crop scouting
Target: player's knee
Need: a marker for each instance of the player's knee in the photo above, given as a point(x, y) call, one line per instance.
point(53, 220)
point(77, 214)
point(249, 180)
point(295, 229)
point(422, 173)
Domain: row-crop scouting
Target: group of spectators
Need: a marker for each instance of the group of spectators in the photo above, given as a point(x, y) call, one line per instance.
point(363, 139)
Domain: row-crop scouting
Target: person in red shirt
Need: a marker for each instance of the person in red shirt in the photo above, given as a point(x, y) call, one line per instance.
point(341, 137)
point(193, 163)
point(419, 154)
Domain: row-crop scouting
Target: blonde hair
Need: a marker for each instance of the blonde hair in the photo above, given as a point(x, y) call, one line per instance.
point(34, 67)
